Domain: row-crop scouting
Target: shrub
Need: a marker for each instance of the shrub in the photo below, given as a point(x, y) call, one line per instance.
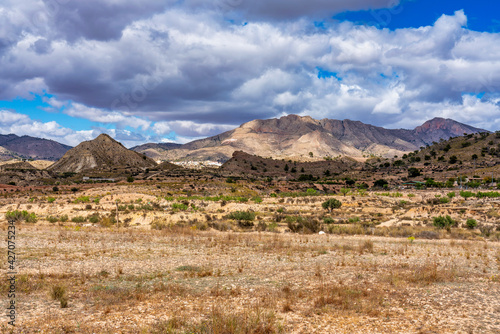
point(19, 216)
point(63, 218)
point(82, 199)
point(413, 172)
point(241, 215)
point(50, 199)
point(78, 219)
point(471, 223)
point(300, 224)
point(444, 222)
point(444, 200)
point(257, 199)
point(381, 183)
point(331, 204)
point(52, 219)
point(451, 194)
point(130, 179)
point(58, 292)
point(466, 194)
point(179, 206)
point(311, 191)
point(94, 219)
point(328, 220)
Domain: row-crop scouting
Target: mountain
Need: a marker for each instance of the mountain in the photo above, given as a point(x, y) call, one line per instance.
point(31, 147)
point(304, 138)
point(155, 151)
point(102, 153)
point(441, 128)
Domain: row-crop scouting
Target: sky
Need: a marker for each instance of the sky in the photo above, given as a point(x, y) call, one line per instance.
point(180, 70)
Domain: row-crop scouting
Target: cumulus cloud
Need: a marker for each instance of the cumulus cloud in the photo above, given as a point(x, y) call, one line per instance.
point(21, 124)
point(183, 67)
point(190, 129)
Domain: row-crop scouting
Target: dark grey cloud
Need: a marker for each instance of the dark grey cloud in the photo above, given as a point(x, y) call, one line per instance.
point(289, 9)
point(97, 19)
point(42, 46)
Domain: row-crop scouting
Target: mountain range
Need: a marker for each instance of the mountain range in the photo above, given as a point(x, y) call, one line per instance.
point(291, 137)
point(305, 138)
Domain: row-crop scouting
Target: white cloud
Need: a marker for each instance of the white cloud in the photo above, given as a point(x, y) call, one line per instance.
point(183, 67)
point(190, 129)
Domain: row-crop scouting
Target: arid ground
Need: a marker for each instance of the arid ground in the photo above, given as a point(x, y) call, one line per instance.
point(145, 258)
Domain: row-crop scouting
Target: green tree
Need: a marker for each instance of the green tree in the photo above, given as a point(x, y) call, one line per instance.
point(331, 204)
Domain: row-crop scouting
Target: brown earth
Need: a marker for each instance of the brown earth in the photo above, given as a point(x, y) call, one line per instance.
point(165, 266)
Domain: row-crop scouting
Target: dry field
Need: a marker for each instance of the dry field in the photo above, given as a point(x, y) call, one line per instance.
point(185, 276)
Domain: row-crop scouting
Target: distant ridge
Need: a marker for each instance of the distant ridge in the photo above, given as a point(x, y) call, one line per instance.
point(102, 153)
point(304, 138)
point(31, 147)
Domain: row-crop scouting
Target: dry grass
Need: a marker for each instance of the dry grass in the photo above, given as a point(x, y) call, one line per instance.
point(167, 276)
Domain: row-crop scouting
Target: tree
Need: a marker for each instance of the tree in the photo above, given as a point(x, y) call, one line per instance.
point(331, 204)
point(474, 156)
point(413, 172)
point(453, 159)
point(311, 154)
point(344, 191)
point(286, 168)
point(380, 183)
point(130, 179)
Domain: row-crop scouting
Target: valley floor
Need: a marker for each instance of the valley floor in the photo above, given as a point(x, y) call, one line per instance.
point(169, 270)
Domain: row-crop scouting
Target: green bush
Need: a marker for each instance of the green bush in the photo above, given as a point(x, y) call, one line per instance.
point(52, 219)
point(94, 219)
point(466, 194)
point(331, 204)
point(451, 194)
point(78, 219)
point(82, 199)
point(63, 218)
point(471, 223)
point(241, 215)
point(444, 222)
point(444, 200)
point(257, 199)
point(179, 206)
point(328, 220)
point(50, 199)
point(19, 216)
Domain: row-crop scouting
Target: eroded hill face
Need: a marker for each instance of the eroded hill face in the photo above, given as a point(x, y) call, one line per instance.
point(304, 138)
point(102, 153)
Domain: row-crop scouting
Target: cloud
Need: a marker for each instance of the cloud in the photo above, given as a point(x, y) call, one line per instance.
point(190, 129)
point(290, 9)
point(102, 116)
point(21, 124)
point(173, 67)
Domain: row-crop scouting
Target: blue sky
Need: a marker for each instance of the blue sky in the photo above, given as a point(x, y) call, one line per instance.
point(161, 71)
